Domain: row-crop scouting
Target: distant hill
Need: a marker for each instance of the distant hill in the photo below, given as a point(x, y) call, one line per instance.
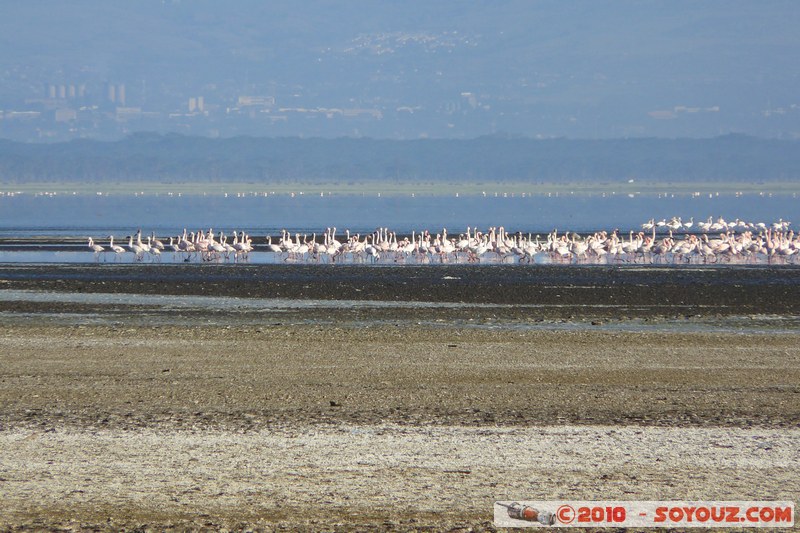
point(401, 69)
point(176, 158)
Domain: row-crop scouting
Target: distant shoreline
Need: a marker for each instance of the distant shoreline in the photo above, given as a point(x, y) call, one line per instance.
point(377, 187)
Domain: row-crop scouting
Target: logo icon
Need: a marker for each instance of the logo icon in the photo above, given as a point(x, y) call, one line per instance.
point(517, 511)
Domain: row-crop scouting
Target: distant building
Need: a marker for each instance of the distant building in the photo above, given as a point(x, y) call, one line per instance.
point(374, 113)
point(116, 94)
point(128, 113)
point(22, 115)
point(66, 115)
point(471, 99)
point(258, 101)
point(66, 91)
point(196, 105)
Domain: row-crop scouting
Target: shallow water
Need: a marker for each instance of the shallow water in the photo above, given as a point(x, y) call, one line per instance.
point(254, 258)
point(99, 216)
point(56, 226)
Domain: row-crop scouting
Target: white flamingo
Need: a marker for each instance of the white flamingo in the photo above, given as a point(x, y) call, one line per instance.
point(116, 248)
point(135, 249)
point(96, 248)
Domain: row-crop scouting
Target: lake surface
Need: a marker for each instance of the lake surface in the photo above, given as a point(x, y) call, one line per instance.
point(25, 215)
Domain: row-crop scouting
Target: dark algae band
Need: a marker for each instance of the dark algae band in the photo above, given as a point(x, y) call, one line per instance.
point(574, 290)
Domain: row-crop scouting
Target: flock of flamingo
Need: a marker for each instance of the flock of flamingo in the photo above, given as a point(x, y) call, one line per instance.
point(731, 242)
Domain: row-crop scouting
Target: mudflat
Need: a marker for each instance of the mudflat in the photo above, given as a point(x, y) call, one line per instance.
point(203, 412)
point(622, 291)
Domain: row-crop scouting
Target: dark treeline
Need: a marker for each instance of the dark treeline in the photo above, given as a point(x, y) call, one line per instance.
point(174, 158)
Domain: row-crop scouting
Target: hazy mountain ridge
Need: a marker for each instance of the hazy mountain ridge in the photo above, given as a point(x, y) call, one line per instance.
point(149, 157)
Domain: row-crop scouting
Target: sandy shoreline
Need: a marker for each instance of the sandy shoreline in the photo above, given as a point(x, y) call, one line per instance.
point(308, 427)
point(246, 379)
point(376, 476)
point(118, 412)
